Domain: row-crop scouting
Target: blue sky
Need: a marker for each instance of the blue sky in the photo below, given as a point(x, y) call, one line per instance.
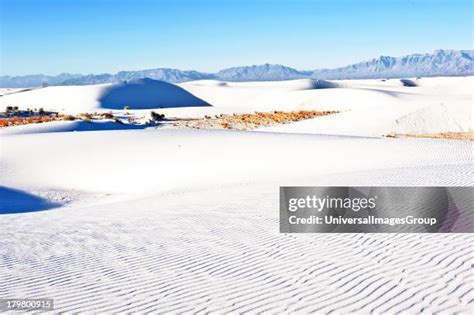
point(95, 36)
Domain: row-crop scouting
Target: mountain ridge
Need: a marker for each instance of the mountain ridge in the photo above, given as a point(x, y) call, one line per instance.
point(439, 63)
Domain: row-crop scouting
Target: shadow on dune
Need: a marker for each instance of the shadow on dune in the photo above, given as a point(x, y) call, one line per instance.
point(323, 84)
point(408, 83)
point(148, 94)
point(72, 126)
point(386, 92)
point(17, 201)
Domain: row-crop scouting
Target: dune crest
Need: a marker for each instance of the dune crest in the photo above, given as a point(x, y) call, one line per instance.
point(147, 94)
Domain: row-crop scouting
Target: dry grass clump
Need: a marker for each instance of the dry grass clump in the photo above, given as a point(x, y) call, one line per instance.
point(278, 117)
point(34, 119)
point(467, 136)
point(85, 116)
point(13, 116)
point(250, 121)
point(108, 115)
point(225, 125)
point(15, 121)
point(68, 117)
point(12, 108)
point(234, 121)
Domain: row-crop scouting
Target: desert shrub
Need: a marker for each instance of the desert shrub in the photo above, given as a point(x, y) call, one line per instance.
point(69, 118)
point(157, 116)
point(107, 115)
point(126, 108)
point(14, 121)
point(86, 116)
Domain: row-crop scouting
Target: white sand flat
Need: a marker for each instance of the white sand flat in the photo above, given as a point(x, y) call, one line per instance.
point(188, 220)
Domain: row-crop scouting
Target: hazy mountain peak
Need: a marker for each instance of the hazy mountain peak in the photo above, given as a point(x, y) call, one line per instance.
point(265, 72)
point(439, 63)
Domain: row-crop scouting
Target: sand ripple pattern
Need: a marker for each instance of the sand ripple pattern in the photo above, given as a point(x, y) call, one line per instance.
point(212, 257)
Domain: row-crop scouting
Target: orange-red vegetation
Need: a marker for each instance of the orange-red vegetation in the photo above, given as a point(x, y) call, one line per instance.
point(15, 121)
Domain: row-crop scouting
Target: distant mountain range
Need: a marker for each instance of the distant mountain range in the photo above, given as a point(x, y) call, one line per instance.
point(35, 80)
point(439, 63)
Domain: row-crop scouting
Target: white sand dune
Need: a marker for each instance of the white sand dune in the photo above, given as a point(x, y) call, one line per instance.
point(154, 159)
point(433, 105)
point(6, 91)
point(368, 107)
point(186, 221)
point(136, 94)
point(187, 232)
